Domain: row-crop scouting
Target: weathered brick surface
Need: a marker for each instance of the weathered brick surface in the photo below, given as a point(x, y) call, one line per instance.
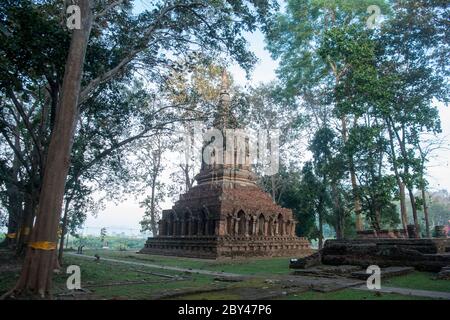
point(212, 221)
point(422, 254)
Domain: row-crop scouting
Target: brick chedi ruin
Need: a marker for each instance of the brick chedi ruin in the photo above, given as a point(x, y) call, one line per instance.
point(226, 215)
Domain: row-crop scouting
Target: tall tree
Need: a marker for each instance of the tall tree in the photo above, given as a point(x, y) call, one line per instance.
point(330, 165)
point(426, 148)
point(40, 258)
point(265, 111)
point(414, 46)
point(175, 27)
point(296, 37)
point(376, 185)
point(198, 88)
point(152, 158)
point(314, 198)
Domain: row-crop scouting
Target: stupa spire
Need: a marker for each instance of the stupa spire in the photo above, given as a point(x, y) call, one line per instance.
point(223, 118)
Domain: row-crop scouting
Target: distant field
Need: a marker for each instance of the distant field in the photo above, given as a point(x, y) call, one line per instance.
point(113, 242)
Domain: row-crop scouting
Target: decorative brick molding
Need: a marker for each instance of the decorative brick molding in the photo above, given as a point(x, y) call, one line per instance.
point(214, 222)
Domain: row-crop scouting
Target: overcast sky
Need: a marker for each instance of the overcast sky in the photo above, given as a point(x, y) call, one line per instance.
point(126, 216)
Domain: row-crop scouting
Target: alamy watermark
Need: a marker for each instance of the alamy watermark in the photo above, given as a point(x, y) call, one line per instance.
point(74, 17)
point(74, 280)
point(374, 280)
point(375, 13)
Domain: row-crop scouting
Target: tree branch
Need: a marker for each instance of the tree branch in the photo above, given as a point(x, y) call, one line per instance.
point(26, 121)
point(132, 54)
point(107, 8)
point(16, 152)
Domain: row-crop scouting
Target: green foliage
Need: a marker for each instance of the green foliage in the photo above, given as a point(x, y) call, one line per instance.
point(32, 41)
point(301, 197)
point(376, 188)
point(295, 38)
point(368, 94)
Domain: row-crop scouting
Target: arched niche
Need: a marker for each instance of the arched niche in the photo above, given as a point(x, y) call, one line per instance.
point(280, 224)
point(203, 223)
point(171, 223)
point(194, 225)
point(270, 230)
point(186, 223)
point(230, 225)
point(288, 227)
point(250, 223)
point(242, 222)
point(261, 224)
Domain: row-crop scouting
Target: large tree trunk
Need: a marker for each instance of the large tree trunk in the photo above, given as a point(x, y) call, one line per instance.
point(63, 231)
point(409, 186)
point(356, 201)
point(377, 225)
point(15, 199)
point(31, 197)
point(425, 212)
point(320, 230)
point(401, 185)
point(153, 223)
point(14, 214)
point(320, 210)
point(156, 172)
point(403, 212)
point(26, 223)
point(36, 275)
point(339, 227)
point(414, 211)
point(423, 156)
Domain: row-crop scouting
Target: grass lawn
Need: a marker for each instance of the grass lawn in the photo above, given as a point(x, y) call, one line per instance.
point(251, 267)
point(347, 294)
point(110, 280)
point(419, 281)
point(350, 294)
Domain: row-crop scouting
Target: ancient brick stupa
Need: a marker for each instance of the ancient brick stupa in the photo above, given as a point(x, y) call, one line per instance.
point(226, 215)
